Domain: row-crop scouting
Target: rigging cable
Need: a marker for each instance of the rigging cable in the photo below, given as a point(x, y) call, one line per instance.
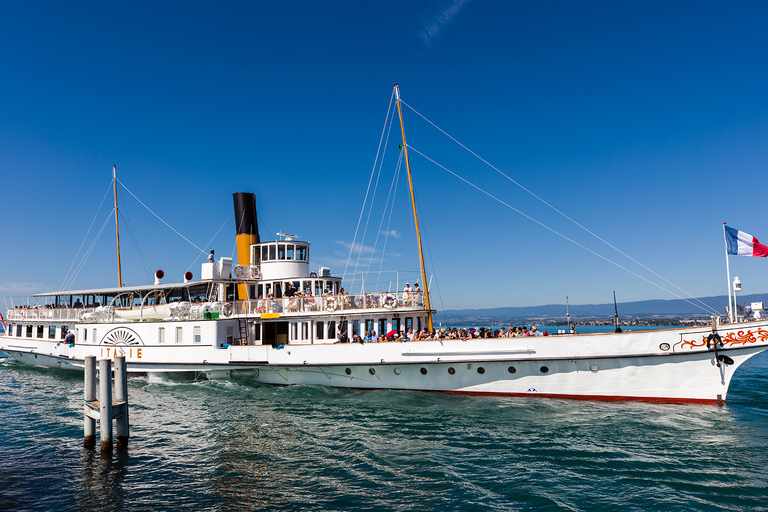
point(552, 207)
point(67, 275)
point(159, 218)
point(555, 231)
point(392, 190)
point(370, 209)
point(373, 171)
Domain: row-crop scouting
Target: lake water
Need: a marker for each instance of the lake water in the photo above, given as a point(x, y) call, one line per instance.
point(229, 445)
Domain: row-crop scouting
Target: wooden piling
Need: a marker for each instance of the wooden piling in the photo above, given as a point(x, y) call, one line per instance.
point(89, 423)
point(108, 409)
point(105, 404)
point(121, 403)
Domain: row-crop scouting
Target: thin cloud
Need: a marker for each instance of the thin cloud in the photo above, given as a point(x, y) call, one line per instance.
point(437, 17)
point(364, 249)
point(392, 233)
point(20, 288)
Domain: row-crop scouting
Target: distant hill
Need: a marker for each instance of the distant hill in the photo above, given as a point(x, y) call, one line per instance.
point(642, 309)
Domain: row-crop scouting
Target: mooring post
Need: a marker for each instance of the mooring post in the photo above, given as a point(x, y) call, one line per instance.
point(89, 424)
point(121, 400)
point(105, 404)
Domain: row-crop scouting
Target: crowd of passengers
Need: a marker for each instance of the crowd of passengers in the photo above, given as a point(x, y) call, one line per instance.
point(443, 334)
point(409, 297)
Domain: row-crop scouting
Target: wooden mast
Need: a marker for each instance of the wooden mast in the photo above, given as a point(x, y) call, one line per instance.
point(415, 217)
point(117, 230)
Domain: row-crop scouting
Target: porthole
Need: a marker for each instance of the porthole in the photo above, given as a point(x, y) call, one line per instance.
point(397, 371)
point(423, 371)
point(451, 370)
point(348, 371)
point(664, 346)
point(371, 371)
point(594, 368)
point(511, 369)
point(480, 370)
point(544, 369)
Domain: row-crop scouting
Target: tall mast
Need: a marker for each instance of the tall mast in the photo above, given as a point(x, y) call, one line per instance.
point(415, 217)
point(117, 230)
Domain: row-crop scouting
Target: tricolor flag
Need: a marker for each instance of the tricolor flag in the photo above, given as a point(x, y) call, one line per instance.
point(743, 244)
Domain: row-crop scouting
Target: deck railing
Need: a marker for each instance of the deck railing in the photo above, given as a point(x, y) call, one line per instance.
point(331, 304)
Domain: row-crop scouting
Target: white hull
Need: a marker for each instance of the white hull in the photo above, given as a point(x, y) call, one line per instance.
point(633, 365)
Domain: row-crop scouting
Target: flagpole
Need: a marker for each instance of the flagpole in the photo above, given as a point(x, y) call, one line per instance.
point(728, 272)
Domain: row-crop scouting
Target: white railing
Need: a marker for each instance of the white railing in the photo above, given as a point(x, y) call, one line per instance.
point(49, 314)
point(335, 303)
point(331, 304)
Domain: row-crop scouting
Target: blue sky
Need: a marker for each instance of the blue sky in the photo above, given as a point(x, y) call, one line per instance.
point(645, 122)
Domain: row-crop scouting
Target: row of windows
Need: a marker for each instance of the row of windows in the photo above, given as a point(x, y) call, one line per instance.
point(329, 330)
point(39, 331)
point(282, 251)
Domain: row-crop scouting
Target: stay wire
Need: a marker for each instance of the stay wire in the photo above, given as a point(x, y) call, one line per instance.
point(373, 196)
point(553, 230)
point(554, 208)
point(373, 171)
point(160, 218)
point(66, 276)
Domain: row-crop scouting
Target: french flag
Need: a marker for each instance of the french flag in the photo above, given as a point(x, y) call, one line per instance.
point(743, 244)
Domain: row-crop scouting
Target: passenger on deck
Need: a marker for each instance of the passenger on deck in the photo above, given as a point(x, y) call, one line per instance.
point(374, 337)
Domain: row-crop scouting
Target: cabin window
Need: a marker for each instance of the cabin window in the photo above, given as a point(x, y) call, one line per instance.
point(161, 334)
point(336, 288)
point(396, 324)
point(94, 336)
point(85, 334)
point(254, 255)
point(307, 287)
point(257, 332)
point(272, 252)
point(408, 323)
point(294, 331)
point(318, 287)
point(18, 331)
point(356, 327)
point(39, 331)
point(179, 335)
point(331, 330)
point(64, 330)
point(281, 251)
point(382, 326)
point(230, 292)
point(301, 253)
point(368, 326)
point(261, 290)
point(264, 253)
point(278, 290)
point(304, 331)
point(289, 252)
point(230, 334)
point(198, 336)
point(319, 330)
point(418, 323)
point(29, 331)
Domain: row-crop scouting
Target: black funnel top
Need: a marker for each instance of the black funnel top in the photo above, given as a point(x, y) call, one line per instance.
point(245, 214)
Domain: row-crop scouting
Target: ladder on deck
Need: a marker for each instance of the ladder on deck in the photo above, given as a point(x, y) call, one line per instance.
point(243, 328)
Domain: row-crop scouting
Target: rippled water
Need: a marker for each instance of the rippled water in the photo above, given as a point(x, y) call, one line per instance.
point(220, 445)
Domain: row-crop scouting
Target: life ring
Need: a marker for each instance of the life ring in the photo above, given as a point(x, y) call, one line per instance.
point(227, 309)
point(390, 301)
point(331, 304)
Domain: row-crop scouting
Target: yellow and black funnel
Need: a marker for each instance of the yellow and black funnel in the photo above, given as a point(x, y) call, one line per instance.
point(247, 232)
